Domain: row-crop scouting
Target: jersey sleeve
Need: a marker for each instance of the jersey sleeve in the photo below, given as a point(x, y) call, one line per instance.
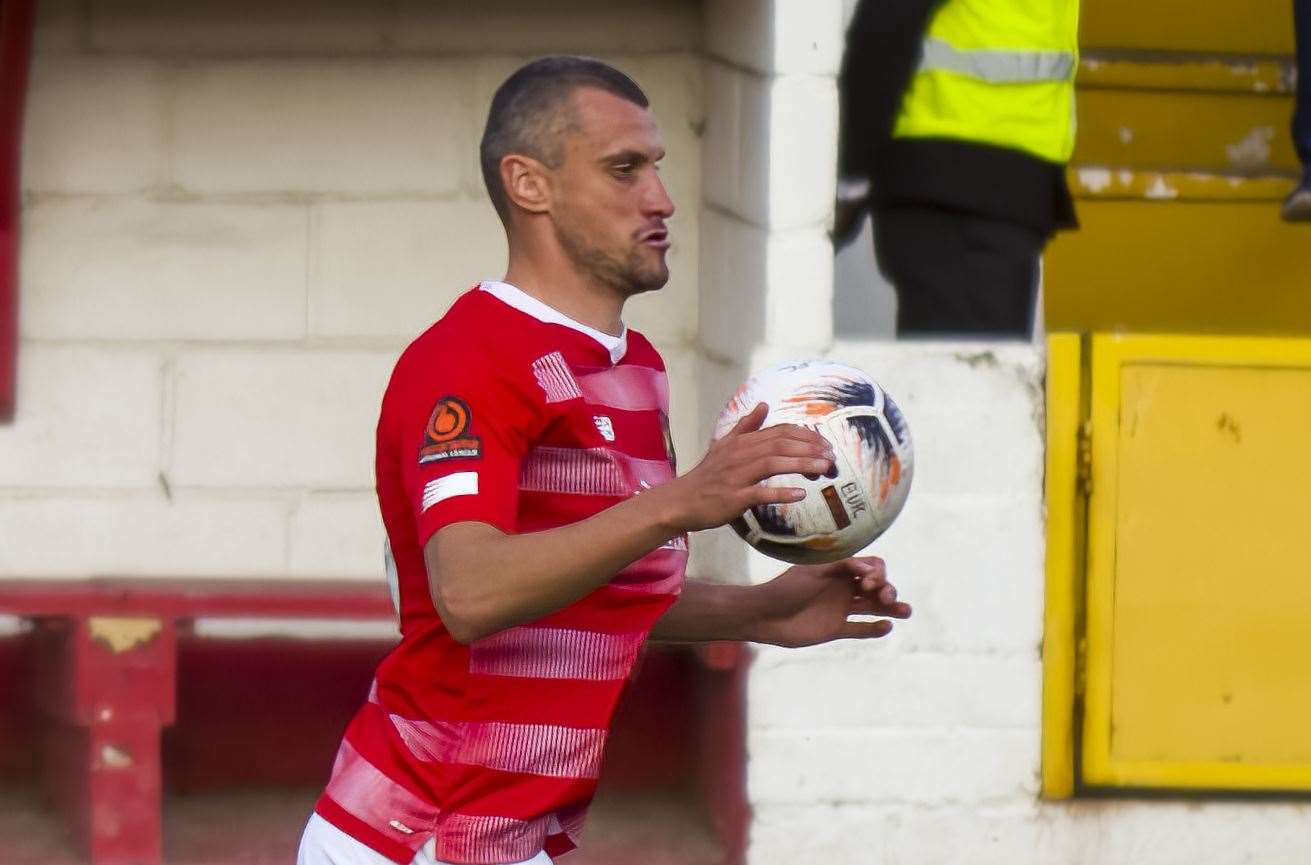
point(466, 432)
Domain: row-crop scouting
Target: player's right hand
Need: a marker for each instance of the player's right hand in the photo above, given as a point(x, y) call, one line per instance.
point(727, 481)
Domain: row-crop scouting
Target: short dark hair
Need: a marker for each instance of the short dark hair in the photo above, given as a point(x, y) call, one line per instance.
point(530, 114)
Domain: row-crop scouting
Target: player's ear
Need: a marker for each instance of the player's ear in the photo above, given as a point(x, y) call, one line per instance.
point(525, 182)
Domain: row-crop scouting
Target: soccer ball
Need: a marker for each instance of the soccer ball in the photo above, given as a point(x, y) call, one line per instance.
point(845, 510)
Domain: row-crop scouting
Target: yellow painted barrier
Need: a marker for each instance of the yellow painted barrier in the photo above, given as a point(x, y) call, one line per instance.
point(1216, 132)
point(1180, 266)
point(1230, 27)
point(1219, 74)
point(1064, 579)
point(1198, 606)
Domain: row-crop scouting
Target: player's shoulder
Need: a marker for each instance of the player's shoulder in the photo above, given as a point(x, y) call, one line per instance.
point(474, 347)
point(476, 329)
point(641, 351)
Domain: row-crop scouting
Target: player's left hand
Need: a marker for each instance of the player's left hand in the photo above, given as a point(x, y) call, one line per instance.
point(809, 604)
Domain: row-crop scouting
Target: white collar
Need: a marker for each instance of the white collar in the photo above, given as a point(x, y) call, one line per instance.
point(526, 303)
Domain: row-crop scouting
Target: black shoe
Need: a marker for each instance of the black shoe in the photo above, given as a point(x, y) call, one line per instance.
point(1297, 206)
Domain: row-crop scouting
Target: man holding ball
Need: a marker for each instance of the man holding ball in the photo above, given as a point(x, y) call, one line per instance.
point(515, 437)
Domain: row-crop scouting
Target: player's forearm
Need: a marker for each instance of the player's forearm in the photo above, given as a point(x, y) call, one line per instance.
point(712, 611)
point(484, 581)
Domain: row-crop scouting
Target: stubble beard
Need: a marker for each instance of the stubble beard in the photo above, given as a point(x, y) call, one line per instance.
point(628, 274)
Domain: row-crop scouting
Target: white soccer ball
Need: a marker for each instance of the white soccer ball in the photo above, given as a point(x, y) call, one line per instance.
point(845, 510)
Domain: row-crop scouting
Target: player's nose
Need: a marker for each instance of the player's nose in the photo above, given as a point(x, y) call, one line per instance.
point(657, 201)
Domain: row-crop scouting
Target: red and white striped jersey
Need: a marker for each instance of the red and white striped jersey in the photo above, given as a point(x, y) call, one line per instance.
point(509, 413)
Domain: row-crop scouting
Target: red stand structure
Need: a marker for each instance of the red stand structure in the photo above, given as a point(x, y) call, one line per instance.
point(109, 685)
point(130, 705)
point(15, 57)
point(106, 675)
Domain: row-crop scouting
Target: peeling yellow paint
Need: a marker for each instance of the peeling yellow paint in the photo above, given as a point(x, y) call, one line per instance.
point(1100, 182)
point(123, 634)
point(1092, 180)
point(1159, 188)
point(1210, 76)
point(1253, 150)
point(1192, 130)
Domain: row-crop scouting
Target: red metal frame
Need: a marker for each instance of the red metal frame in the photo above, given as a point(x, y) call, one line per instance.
point(187, 599)
point(107, 706)
point(106, 678)
point(105, 659)
point(15, 56)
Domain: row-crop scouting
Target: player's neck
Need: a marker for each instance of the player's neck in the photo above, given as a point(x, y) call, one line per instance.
point(566, 290)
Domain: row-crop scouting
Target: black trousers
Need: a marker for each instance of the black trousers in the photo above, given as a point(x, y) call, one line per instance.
point(958, 273)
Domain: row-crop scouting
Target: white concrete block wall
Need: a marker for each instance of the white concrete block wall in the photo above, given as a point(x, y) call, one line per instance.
point(922, 747)
point(944, 713)
point(776, 36)
point(257, 419)
point(770, 145)
point(346, 127)
point(77, 105)
point(407, 26)
point(769, 149)
point(74, 436)
point(148, 532)
point(236, 216)
point(335, 534)
point(528, 26)
point(409, 259)
point(123, 268)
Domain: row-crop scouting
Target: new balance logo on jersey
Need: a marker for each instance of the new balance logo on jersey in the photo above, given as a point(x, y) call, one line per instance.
point(604, 427)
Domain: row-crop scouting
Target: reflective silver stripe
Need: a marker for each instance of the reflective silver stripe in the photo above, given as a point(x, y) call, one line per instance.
point(1002, 67)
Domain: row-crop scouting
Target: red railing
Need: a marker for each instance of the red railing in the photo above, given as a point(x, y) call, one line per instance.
point(119, 686)
point(15, 54)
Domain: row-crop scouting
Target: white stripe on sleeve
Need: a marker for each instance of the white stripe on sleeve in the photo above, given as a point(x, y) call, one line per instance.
point(458, 484)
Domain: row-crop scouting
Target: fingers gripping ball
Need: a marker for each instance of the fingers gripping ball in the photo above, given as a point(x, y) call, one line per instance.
point(845, 510)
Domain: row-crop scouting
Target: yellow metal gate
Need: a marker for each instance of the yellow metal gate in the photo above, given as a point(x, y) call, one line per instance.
point(1179, 563)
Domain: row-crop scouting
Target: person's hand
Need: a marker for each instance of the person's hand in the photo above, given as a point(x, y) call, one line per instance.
point(848, 220)
point(849, 209)
point(727, 481)
point(809, 604)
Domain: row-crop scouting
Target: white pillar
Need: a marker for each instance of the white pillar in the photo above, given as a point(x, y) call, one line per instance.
point(768, 172)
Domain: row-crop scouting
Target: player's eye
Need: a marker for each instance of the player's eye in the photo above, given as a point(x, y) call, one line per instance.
point(625, 170)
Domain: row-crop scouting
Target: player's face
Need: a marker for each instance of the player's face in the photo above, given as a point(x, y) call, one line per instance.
point(610, 205)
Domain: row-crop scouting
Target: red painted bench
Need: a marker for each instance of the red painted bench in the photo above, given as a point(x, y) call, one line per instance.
point(105, 674)
point(106, 663)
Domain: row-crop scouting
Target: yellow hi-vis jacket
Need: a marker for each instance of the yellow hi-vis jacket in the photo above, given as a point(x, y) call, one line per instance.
point(997, 72)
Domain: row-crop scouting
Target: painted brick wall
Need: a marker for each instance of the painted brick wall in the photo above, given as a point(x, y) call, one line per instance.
point(923, 748)
point(236, 215)
point(239, 212)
